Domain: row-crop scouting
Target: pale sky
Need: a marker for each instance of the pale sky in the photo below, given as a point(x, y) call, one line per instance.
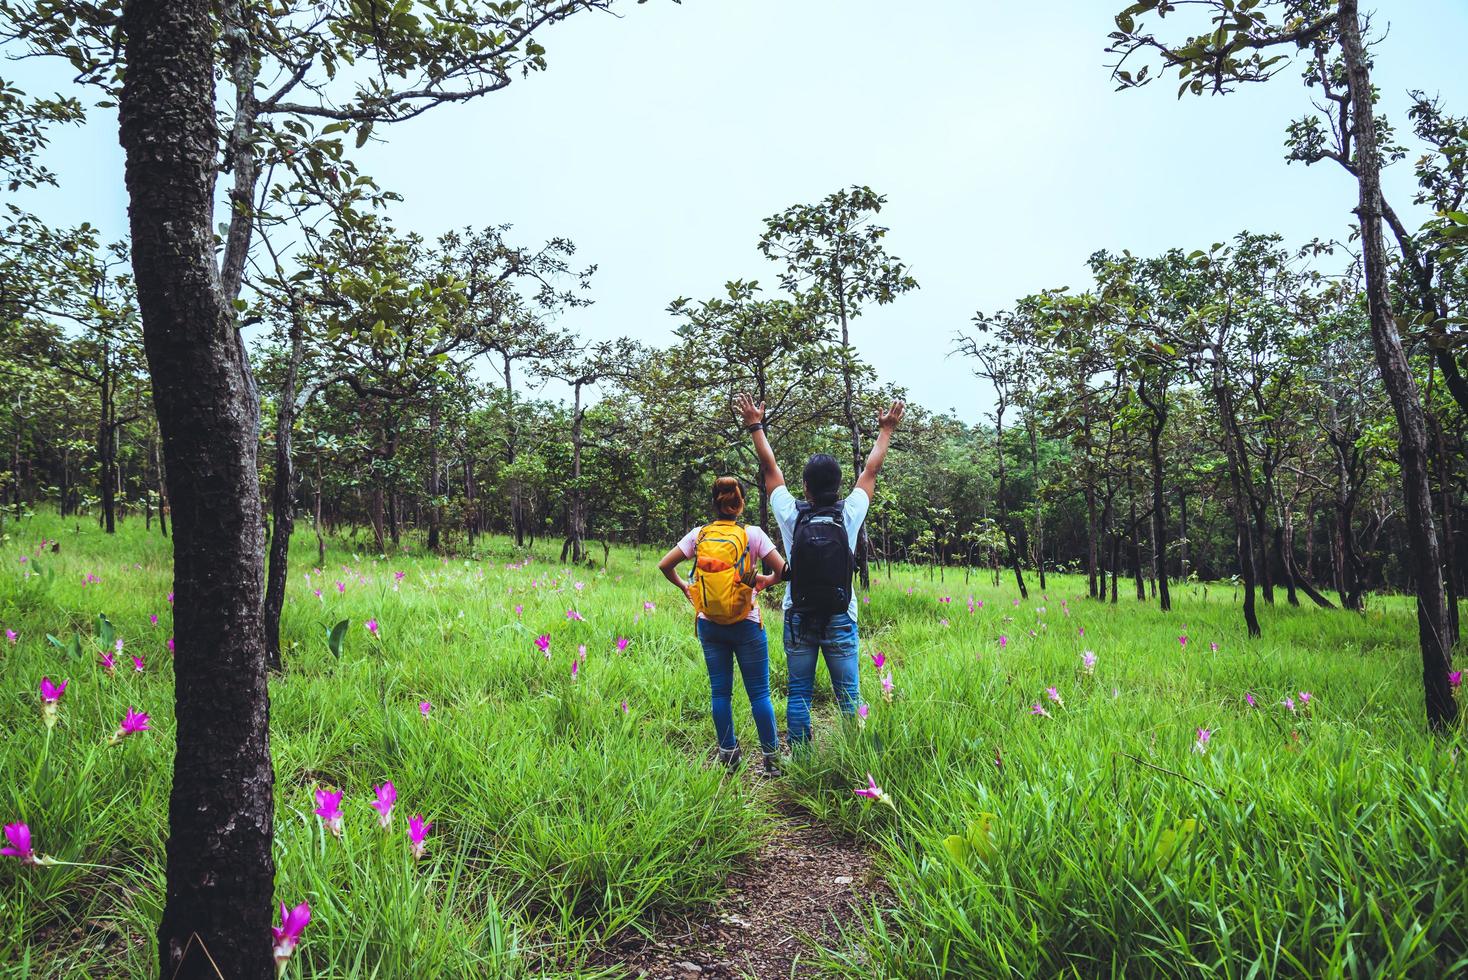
point(658, 141)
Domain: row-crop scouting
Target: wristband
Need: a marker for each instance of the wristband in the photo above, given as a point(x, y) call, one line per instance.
point(756, 427)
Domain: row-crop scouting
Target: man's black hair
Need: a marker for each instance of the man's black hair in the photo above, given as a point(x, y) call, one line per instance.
point(822, 478)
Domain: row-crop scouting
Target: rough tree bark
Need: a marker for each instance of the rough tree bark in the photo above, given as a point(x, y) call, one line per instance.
point(1396, 373)
point(220, 871)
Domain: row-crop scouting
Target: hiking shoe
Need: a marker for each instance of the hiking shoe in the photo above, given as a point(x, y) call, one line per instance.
point(772, 765)
point(730, 758)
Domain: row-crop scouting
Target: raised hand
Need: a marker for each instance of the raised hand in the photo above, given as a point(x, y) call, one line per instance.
point(889, 419)
point(751, 413)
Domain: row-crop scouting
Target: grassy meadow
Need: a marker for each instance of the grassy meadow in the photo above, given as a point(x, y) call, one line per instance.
point(1088, 831)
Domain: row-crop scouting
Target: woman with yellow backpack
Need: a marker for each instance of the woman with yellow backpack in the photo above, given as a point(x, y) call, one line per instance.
point(724, 591)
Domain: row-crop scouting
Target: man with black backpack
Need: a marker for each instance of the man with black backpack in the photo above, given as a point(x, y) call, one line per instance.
point(820, 534)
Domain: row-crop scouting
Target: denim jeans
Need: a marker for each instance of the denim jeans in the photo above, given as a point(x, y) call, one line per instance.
point(744, 642)
point(833, 636)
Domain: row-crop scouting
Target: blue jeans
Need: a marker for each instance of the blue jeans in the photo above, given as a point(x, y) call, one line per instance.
point(745, 642)
point(833, 636)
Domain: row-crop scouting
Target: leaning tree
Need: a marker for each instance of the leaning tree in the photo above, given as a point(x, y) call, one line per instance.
point(1252, 41)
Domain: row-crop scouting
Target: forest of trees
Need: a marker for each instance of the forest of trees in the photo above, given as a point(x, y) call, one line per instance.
point(1286, 417)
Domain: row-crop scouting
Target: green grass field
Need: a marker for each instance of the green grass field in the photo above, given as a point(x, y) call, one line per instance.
point(1092, 840)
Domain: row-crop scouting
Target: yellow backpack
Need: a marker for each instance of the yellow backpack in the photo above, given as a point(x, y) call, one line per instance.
point(723, 580)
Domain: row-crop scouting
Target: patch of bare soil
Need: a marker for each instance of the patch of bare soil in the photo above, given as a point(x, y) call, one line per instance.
point(797, 889)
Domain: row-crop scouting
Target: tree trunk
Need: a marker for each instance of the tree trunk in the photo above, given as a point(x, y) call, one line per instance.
point(1182, 535)
point(1233, 442)
point(282, 495)
point(1039, 550)
point(1090, 539)
point(1286, 565)
point(218, 906)
point(1009, 547)
point(1135, 533)
point(1424, 557)
point(106, 458)
point(1159, 513)
point(435, 509)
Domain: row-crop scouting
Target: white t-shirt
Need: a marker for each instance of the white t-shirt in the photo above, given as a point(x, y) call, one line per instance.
point(853, 513)
point(759, 546)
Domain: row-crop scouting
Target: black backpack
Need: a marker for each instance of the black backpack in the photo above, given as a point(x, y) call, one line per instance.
point(821, 561)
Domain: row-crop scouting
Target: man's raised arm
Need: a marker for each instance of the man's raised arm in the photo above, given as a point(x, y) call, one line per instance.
point(754, 422)
point(886, 423)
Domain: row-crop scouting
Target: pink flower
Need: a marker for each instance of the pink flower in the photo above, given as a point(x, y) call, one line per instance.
point(19, 836)
point(387, 795)
point(879, 660)
point(1455, 678)
point(399, 576)
point(109, 662)
point(943, 623)
point(945, 600)
point(317, 593)
point(170, 598)
point(1054, 695)
point(288, 934)
point(329, 809)
point(624, 706)
point(519, 610)
point(579, 586)
point(1088, 662)
point(133, 722)
point(417, 834)
point(1249, 699)
point(138, 664)
point(862, 711)
point(1003, 641)
point(581, 651)
point(1039, 709)
point(12, 636)
point(118, 645)
point(622, 643)
point(424, 707)
point(50, 699)
point(1305, 698)
point(574, 616)
point(1081, 631)
point(169, 644)
point(1182, 640)
point(341, 588)
point(1212, 646)
point(543, 642)
point(872, 791)
point(372, 627)
point(153, 618)
point(575, 668)
point(887, 685)
point(1204, 736)
point(1289, 703)
point(649, 606)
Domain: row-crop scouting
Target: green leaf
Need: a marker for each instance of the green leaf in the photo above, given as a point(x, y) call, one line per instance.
point(981, 836)
point(1175, 839)
point(334, 638)
point(957, 848)
point(105, 633)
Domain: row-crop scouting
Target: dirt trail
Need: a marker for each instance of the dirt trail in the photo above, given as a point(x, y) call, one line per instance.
point(800, 885)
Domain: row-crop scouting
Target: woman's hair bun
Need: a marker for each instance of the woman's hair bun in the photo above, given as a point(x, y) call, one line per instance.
point(728, 496)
